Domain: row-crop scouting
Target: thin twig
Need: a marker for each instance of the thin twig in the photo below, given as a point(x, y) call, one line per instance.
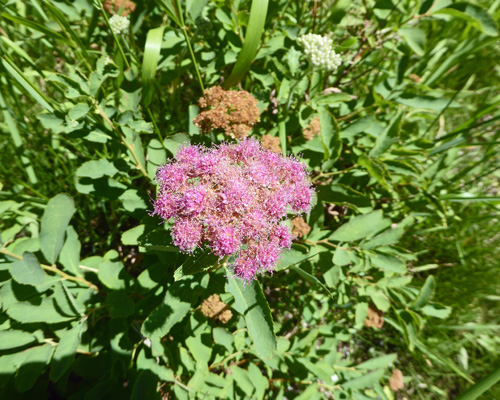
point(53, 268)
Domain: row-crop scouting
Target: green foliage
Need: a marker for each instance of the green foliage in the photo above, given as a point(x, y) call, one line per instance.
point(399, 270)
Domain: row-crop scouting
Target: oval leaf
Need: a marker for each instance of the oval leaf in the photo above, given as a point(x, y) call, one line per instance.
point(55, 220)
point(251, 303)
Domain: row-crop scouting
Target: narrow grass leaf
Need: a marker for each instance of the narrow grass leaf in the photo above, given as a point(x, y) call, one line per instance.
point(152, 50)
point(255, 29)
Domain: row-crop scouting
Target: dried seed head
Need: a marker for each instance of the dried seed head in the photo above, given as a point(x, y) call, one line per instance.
point(215, 308)
point(271, 143)
point(113, 6)
point(234, 112)
point(313, 129)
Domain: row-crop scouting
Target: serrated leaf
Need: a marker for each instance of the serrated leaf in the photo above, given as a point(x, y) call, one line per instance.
point(252, 305)
point(27, 271)
point(55, 220)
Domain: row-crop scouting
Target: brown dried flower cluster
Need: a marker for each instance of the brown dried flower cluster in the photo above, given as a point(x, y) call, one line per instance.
point(396, 381)
point(271, 143)
point(313, 129)
point(235, 112)
point(374, 318)
point(300, 227)
point(215, 308)
point(113, 6)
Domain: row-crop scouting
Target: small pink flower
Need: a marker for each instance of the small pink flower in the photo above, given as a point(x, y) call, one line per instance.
point(187, 234)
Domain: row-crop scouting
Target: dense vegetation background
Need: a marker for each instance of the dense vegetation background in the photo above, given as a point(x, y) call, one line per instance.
point(393, 291)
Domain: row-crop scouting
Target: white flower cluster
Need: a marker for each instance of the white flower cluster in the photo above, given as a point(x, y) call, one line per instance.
point(119, 24)
point(319, 51)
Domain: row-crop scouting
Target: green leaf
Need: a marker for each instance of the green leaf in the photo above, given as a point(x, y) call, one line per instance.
point(436, 310)
point(176, 304)
point(119, 305)
point(242, 380)
point(380, 300)
point(14, 338)
point(477, 16)
point(157, 156)
point(152, 50)
point(376, 170)
point(415, 38)
point(378, 362)
point(33, 362)
point(96, 169)
point(482, 386)
point(359, 227)
point(425, 294)
point(364, 381)
point(255, 29)
point(332, 98)
point(330, 137)
point(112, 274)
point(70, 252)
point(145, 386)
point(294, 255)
point(388, 262)
point(196, 265)
point(388, 137)
point(78, 111)
point(29, 87)
point(45, 312)
point(66, 351)
point(390, 236)
point(251, 303)
point(27, 271)
point(55, 220)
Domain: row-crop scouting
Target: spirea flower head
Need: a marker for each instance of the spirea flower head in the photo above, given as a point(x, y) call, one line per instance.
point(319, 51)
point(119, 24)
point(235, 200)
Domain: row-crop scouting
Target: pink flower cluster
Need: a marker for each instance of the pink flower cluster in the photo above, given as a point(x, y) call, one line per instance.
point(233, 198)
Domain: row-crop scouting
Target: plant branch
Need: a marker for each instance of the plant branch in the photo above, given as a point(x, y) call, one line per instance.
point(54, 269)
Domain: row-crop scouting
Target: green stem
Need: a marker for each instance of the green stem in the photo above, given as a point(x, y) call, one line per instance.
point(184, 32)
point(117, 41)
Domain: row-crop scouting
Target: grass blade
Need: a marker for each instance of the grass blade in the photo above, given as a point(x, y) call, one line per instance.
point(482, 386)
point(258, 13)
point(150, 62)
point(26, 84)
